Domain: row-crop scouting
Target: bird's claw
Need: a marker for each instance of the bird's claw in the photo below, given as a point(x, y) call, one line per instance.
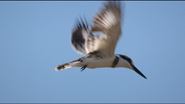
point(83, 68)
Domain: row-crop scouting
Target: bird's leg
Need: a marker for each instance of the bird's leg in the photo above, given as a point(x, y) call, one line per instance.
point(83, 68)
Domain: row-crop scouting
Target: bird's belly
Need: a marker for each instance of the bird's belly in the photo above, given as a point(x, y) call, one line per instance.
point(97, 63)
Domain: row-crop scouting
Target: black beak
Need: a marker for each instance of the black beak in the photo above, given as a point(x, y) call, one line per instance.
point(136, 70)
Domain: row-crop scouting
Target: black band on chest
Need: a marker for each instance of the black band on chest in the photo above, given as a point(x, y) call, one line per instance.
point(115, 62)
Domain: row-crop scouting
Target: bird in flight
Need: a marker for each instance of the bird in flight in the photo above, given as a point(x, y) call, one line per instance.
point(98, 50)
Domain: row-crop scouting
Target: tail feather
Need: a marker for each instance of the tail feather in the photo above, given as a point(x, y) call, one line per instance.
point(62, 67)
point(75, 63)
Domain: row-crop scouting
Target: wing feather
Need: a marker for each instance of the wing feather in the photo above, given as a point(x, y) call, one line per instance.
point(79, 36)
point(108, 22)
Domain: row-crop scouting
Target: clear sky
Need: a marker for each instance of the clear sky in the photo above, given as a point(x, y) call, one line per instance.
point(35, 38)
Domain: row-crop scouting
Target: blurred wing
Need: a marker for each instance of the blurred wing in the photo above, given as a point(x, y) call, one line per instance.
point(83, 41)
point(79, 36)
point(108, 21)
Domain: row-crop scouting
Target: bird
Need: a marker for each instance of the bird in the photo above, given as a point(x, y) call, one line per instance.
point(98, 50)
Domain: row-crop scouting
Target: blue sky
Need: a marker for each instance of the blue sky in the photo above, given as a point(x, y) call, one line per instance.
point(35, 38)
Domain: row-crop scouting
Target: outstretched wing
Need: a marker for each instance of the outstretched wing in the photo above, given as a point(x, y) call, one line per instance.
point(107, 22)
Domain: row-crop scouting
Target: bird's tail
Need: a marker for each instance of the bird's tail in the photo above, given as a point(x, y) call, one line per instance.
point(76, 63)
point(62, 67)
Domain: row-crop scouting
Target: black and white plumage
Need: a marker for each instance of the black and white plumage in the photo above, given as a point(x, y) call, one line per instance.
point(98, 50)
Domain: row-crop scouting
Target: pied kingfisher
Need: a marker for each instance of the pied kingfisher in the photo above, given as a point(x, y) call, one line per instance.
point(98, 50)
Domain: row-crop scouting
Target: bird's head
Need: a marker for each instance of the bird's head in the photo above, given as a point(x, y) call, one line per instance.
point(127, 62)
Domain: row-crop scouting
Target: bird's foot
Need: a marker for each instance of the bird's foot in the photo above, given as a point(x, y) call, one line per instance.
point(83, 68)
